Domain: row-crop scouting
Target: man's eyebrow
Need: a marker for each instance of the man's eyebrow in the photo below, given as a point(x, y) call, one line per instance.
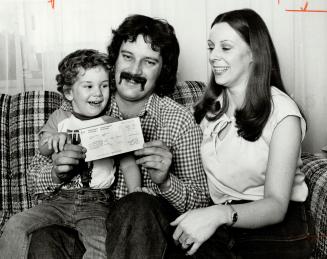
point(153, 59)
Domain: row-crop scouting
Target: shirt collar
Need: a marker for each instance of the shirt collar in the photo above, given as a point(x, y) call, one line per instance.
point(151, 107)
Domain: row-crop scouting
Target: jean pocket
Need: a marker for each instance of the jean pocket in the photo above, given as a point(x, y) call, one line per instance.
point(106, 198)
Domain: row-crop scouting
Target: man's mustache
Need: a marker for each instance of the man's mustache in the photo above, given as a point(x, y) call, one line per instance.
point(136, 78)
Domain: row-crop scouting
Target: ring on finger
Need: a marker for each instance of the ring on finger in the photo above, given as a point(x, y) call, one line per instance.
point(189, 242)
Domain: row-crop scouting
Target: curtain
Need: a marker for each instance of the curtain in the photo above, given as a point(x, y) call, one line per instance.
point(35, 36)
point(12, 61)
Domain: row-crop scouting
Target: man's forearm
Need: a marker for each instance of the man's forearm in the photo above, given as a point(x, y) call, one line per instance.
point(165, 186)
point(184, 196)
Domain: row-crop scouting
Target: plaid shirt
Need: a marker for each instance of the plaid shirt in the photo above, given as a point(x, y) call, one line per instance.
point(161, 119)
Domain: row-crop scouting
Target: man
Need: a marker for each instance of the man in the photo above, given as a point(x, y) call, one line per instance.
point(144, 55)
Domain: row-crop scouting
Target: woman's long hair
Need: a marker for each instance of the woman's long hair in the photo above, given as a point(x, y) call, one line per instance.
point(252, 117)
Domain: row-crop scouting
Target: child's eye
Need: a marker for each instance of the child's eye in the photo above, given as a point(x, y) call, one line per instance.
point(105, 85)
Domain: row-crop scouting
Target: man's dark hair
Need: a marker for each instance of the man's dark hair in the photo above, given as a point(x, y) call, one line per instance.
point(161, 35)
point(70, 66)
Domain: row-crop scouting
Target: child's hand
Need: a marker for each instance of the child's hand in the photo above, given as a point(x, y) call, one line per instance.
point(146, 190)
point(57, 141)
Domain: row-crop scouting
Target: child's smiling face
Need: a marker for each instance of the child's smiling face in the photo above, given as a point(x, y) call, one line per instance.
point(90, 93)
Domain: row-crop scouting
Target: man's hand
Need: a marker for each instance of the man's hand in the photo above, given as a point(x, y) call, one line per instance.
point(157, 158)
point(64, 162)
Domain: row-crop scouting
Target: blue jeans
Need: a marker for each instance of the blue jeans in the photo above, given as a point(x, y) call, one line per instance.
point(84, 210)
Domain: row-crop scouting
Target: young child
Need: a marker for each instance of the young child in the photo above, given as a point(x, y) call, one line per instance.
point(83, 202)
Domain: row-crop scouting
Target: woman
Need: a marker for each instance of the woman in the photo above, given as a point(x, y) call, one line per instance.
point(252, 133)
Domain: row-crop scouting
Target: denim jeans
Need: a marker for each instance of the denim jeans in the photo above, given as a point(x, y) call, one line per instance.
point(138, 227)
point(132, 232)
point(289, 239)
point(144, 232)
point(55, 242)
point(84, 210)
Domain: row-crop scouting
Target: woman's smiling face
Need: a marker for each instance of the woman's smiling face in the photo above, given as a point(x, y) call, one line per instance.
point(230, 56)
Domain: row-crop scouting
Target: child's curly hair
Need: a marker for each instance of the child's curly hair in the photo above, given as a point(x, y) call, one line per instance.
point(70, 66)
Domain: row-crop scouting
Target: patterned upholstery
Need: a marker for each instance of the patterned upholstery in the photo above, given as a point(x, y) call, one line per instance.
point(188, 92)
point(23, 114)
point(4, 150)
point(315, 170)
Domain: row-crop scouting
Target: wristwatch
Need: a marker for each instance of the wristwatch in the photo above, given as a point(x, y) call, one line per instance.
point(234, 215)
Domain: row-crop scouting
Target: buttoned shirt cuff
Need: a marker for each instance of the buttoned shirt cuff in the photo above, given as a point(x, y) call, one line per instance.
point(45, 182)
point(176, 194)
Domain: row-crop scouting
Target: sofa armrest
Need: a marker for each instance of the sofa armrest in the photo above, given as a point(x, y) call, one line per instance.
point(315, 170)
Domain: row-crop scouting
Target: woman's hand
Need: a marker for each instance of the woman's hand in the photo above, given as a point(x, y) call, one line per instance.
point(157, 158)
point(194, 227)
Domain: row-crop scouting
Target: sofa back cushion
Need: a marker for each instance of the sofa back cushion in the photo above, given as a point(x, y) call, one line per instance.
point(28, 111)
point(188, 92)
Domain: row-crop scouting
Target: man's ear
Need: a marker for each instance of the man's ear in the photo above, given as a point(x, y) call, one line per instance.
point(67, 90)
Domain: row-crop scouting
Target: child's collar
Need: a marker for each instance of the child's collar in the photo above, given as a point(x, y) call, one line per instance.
point(84, 118)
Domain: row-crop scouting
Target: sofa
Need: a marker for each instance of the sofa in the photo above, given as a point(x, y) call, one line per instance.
point(23, 114)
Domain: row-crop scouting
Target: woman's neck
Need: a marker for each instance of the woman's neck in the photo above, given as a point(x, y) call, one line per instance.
point(236, 98)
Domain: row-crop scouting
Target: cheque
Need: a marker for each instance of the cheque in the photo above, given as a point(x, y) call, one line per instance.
point(111, 139)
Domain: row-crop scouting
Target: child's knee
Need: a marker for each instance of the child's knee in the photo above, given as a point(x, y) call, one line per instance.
point(16, 223)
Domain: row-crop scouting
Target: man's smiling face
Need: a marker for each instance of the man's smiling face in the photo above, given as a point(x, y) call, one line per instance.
point(137, 59)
